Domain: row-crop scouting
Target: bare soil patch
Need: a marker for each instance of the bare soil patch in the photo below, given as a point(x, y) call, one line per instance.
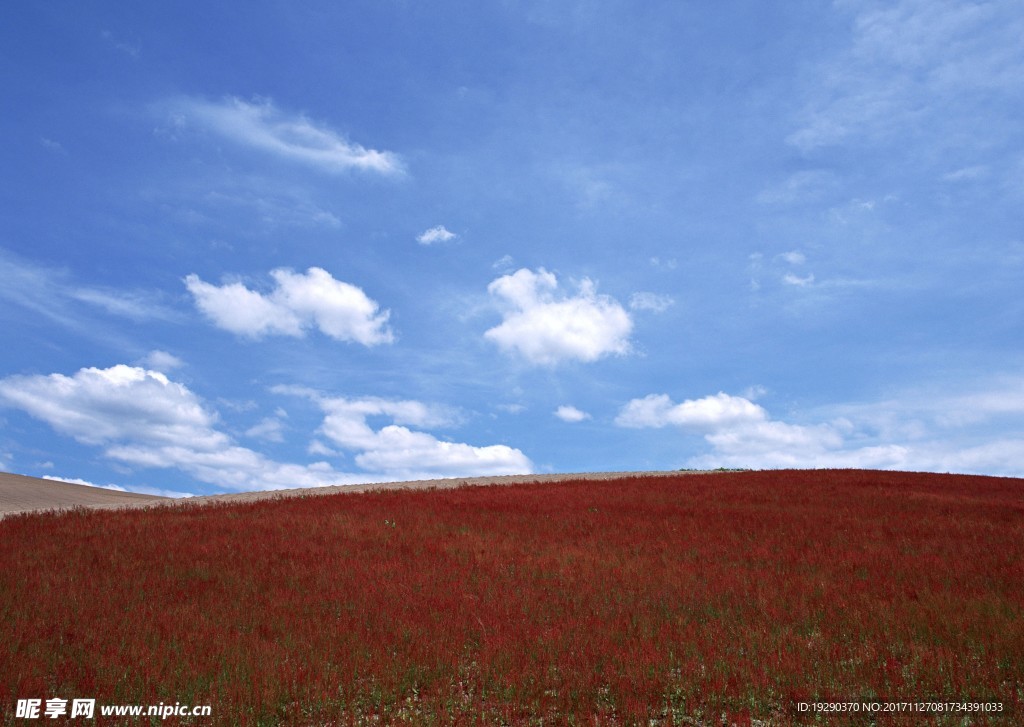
point(19, 493)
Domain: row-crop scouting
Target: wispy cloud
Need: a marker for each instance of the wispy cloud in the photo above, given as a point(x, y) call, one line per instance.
point(663, 263)
point(654, 302)
point(54, 294)
point(162, 361)
point(268, 204)
point(261, 125)
point(132, 48)
point(809, 185)
point(967, 174)
point(913, 65)
point(270, 429)
point(800, 282)
point(54, 146)
point(126, 304)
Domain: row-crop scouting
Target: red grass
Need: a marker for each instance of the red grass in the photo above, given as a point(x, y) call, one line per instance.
point(624, 601)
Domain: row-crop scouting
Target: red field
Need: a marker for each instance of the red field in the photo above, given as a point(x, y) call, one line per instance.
point(665, 601)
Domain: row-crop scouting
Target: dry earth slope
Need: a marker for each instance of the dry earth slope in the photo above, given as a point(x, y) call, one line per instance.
point(19, 493)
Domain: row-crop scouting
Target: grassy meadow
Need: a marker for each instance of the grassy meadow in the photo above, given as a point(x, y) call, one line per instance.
point(671, 600)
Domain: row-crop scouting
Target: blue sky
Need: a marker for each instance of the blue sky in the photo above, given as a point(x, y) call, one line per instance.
point(347, 242)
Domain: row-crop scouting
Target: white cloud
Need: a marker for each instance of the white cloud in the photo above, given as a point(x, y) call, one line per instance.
point(935, 432)
point(162, 361)
point(398, 452)
point(262, 125)
point(546, 329)
point(142, 418)
point(742, 434)
point(299, 301)
point(319, 449)
point(650, 301)
point(708, 414)
point(435, 234)
point(96, 406)
point(571, 414)
point(793, 257)
point(269, 429)
point(235, 308)
point(84, 483)
point(754, 392)
point(406, 454)
point(791, 279)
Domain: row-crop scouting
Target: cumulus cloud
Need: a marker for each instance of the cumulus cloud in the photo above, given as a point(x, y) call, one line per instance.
point(261, 125)
point(298, 302)
point(927, 433)
point(742, 434)
point(435, 234)
point(571, 414)
point(96, 406)
point(707, 414)
point(142, 418)
point(399, 452)
point(546, 328)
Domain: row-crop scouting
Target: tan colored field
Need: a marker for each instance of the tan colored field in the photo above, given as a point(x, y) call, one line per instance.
point(19, 493)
